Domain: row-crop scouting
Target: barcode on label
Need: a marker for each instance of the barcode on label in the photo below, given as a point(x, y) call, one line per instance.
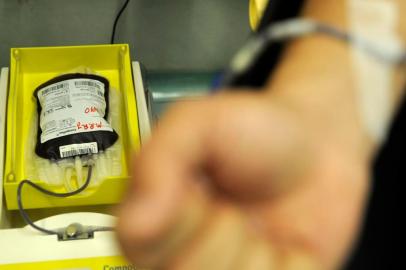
point(53, 88)
point(72, 150)
point(87, 83)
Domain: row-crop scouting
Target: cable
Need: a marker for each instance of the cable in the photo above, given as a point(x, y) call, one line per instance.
point(116, 20)
point(24, 214)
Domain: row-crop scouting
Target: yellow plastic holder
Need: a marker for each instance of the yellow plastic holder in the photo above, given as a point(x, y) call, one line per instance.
point(31, 67)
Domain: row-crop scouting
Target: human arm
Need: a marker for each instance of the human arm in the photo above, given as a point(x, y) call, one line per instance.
point(283, 173)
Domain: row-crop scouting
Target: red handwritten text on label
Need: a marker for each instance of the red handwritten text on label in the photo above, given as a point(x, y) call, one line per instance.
point(88, 125)
point(91, 109)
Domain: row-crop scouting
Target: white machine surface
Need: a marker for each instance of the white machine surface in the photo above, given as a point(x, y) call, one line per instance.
point(3, 102)
point(25, 248)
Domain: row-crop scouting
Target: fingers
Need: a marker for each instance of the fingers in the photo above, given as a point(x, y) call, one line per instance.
point(225, 241)
point(218, 243)
point(160, 247)
point(256, 254)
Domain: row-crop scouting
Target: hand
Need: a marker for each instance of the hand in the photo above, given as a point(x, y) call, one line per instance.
point(245, 181)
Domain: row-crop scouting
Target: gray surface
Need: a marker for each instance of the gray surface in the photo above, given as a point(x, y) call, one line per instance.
point(164, 35)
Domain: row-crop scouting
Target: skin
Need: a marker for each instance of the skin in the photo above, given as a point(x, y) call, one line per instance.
point(276, 179)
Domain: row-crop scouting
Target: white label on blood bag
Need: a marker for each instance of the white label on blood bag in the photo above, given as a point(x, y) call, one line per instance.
point(72, 106)
point(78, 149)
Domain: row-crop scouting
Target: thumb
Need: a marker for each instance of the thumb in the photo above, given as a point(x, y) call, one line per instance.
point(258, 147)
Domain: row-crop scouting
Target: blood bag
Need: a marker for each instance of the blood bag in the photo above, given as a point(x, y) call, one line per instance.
point(73, 110)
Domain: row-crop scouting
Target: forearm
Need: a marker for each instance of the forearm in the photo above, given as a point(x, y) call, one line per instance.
point(317, 72)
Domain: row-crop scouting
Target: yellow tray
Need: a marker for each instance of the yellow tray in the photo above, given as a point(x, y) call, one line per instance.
point(32, 66)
